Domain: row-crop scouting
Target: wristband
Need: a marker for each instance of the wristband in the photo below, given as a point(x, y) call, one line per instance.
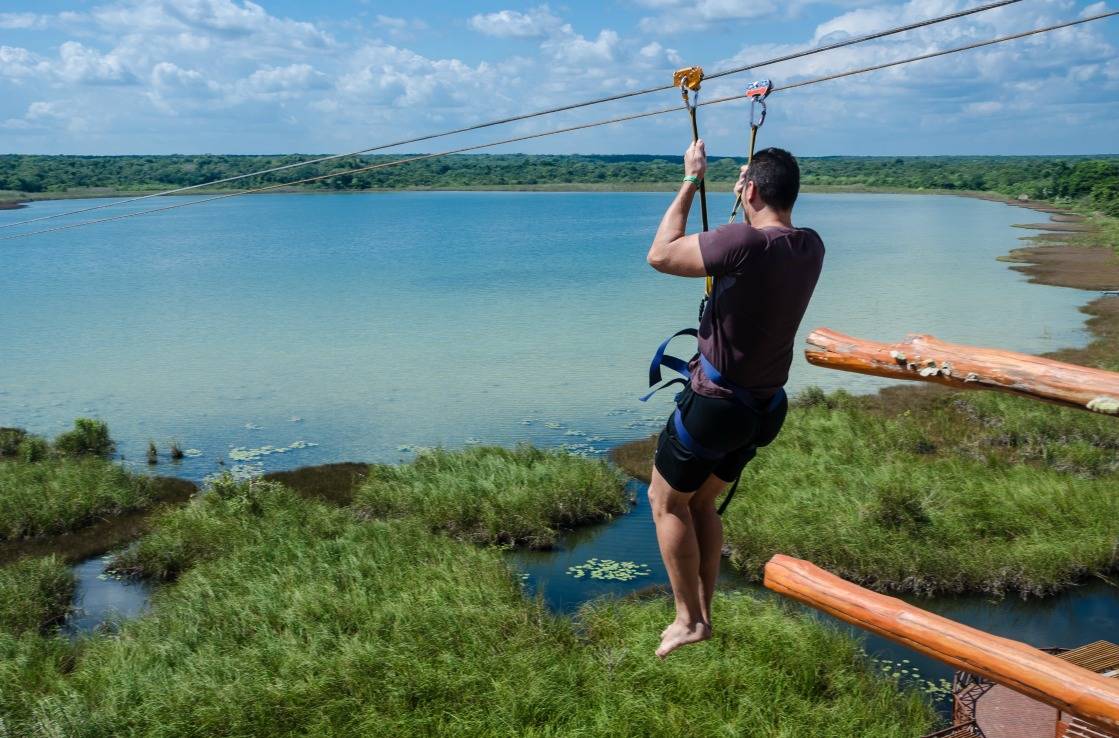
point(693, 179)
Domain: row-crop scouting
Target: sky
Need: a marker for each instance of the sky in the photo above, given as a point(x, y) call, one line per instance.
point(282, 76)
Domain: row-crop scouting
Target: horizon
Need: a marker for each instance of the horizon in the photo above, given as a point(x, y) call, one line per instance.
point(713, 156)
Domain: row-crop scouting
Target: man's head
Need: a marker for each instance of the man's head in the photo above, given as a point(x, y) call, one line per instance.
point(773, 180)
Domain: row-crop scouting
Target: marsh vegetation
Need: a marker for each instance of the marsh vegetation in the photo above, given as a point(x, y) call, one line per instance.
point(930, 492)
point(288, 616)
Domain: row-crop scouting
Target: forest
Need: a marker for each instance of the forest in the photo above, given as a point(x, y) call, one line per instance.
point(1091, 181)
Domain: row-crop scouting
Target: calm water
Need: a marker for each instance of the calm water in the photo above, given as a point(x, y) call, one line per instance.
point(359, 327)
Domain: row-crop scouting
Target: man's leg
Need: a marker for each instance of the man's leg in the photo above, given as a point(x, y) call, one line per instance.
point(709, 537)
point(676, 536)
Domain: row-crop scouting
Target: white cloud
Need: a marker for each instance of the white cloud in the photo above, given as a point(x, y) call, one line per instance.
point(536, 23)
point(573, 49)
point(229, 75)
point(217, 19)
point(391, 22)
point(43, 109)
point(390, 75)
point(16, 62)
point(287, 81)
point(78, 63)
point(22, 21)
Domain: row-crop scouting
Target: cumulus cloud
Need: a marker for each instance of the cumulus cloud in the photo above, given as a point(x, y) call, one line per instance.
point(535, 23)
point(196, 71)
point(677, 16)
point(22, 21)
point(78, 63)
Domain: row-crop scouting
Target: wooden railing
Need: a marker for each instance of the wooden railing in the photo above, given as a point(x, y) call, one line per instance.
point(960, 730)
point(1085, 694)
point(927, 359)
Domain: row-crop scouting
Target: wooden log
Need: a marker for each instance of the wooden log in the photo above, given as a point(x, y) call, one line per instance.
point(928, 359)
point(1078, 691)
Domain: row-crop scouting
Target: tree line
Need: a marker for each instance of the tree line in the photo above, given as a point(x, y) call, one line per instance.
point(1093, 181)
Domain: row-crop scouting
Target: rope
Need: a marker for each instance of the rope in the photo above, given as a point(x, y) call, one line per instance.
point(582, 126)
point(526, 116)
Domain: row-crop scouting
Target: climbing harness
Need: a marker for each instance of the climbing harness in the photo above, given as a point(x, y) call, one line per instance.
point(690, 79)
point(757, 93)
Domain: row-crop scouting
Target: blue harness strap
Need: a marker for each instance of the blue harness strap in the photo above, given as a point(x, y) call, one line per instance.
point(675, 363)
point(741, 394)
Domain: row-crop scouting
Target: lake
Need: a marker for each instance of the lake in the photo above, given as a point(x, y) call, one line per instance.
point(276, 331)
point(272, 332)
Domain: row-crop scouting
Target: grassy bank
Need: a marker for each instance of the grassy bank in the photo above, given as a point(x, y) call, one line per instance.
point(523, 496)
point(60, 495)
point(311, 620)
point(929, 491)
point(64, 486)
point(35, 593)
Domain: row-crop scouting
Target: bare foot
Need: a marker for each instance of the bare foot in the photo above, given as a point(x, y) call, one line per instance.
point(706, 622)
point(681, 634)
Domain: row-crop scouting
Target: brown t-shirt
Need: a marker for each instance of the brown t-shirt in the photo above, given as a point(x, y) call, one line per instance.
point(764, 278)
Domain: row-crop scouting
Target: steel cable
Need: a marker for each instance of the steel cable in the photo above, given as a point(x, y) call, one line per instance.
point(526, 116)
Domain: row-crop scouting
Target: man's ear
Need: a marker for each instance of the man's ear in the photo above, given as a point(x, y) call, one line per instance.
point(751, 193)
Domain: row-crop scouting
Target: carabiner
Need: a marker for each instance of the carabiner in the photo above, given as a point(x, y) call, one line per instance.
point(688, 78)
point(758, 92)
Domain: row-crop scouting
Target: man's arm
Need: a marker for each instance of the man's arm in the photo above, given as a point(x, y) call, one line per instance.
point(673, 252)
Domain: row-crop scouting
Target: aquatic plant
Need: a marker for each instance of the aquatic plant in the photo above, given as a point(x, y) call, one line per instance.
point(608, 569)
point(88, 438)
point(177, 452)
point(153, 453)
point(522, 496)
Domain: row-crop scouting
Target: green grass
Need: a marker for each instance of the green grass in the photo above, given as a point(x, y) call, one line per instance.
point(311, 621)
point(57, 495)
point(35, 593)
point(494, 495)
point(932, 492)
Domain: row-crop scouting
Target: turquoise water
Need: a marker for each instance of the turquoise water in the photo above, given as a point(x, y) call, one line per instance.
point(362, 326)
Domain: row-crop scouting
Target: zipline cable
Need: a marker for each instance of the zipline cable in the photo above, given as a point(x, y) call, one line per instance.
point(526, 116)
point(582, 126)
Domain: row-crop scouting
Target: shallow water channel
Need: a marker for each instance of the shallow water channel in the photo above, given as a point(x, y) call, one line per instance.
point(1080, 615)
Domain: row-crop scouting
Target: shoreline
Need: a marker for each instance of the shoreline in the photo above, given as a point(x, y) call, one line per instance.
point(23, 199)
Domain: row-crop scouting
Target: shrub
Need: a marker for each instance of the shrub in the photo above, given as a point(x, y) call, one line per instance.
point(88, 438)
point(32, 449)
point(10, 438)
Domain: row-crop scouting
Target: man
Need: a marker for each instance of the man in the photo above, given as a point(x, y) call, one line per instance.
point(764, 274)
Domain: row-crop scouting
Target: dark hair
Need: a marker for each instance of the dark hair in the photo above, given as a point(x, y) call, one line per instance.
point(777, 176)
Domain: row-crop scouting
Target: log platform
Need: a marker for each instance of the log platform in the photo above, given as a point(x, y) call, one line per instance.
point(928, 359)
point(1060, 695)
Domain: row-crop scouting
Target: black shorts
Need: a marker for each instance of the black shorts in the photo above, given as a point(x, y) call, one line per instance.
point(721, 425)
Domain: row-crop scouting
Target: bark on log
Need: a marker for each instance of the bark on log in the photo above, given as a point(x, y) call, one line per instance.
point(927, 359)
point(1086, 694)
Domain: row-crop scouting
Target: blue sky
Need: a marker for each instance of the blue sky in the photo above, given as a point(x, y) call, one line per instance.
point(231, 76)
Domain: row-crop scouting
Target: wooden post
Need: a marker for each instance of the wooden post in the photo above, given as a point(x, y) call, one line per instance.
point(1034, 673)
point(927, 359)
